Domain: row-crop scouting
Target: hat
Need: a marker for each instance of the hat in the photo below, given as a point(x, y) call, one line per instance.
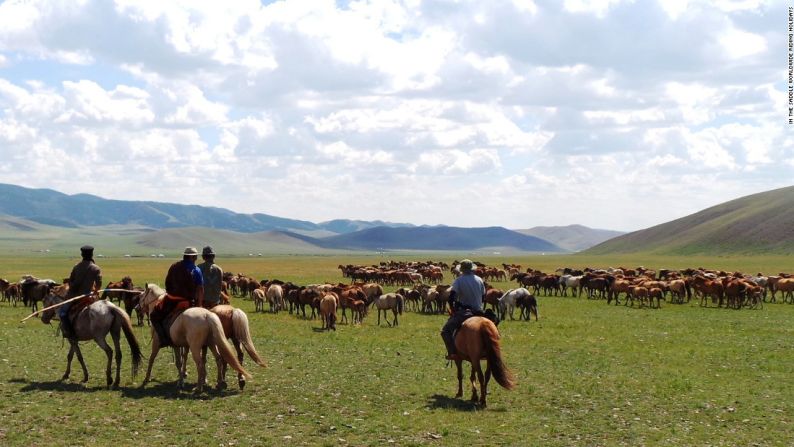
point(190, 251)
point(466, 264)
point(207, 251)
point(86, 249)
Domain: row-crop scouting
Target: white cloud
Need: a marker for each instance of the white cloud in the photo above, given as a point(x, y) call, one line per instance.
point(739, 44)
point(639, 100)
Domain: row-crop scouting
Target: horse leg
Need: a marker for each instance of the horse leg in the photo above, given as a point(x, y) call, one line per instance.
point(240, 378)
point(484, 385)
point(201, 367)
point(82, 362)
point(109, 353)
point(152, 356)
point(395, 317)
point(459, 365)
point(68, 363)
point(475, 366)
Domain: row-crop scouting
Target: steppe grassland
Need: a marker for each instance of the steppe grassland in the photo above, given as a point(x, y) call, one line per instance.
point(589, 374)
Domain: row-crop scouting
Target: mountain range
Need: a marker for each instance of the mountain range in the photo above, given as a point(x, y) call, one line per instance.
point(44, 214)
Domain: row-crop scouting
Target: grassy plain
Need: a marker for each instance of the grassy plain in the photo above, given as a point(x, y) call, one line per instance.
point(589, 374)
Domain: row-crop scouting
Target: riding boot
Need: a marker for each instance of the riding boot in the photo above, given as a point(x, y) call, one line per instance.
point(66, 328)
point(449, 342)
point(162, 335)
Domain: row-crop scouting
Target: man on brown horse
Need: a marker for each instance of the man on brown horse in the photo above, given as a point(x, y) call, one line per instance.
point(184, 286)
point(86, 277)
point(465, 299)
point(213, 276)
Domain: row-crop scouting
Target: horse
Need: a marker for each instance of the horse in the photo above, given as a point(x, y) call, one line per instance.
point(235, 327)
point(476, 339)
point(94, 322)
point(275, 297)
point(393, 301)
point(507, 302)
point(259, 300)
point(125, 283)
point(34, 290)
point(328, 310)
point(194, 328)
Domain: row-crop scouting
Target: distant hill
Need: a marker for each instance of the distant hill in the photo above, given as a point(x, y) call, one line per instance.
point(71, 211)
point(572, 237)
point(757, 224)
point(437, 238)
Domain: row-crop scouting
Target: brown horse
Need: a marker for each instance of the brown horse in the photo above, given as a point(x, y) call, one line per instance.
point(476, 339)
point(328, 310)
point(194, 328)
point(235, 327)
point(125, 283)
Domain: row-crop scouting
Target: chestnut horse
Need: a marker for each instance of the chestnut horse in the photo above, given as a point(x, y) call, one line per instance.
point(476, 339)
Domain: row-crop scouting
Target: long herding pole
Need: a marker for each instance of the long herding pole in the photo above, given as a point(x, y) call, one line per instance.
point(74, 299)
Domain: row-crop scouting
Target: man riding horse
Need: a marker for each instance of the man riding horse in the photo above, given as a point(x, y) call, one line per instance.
point(86, 277)
point(184, 286)
point(213, 277)
point(465, 300)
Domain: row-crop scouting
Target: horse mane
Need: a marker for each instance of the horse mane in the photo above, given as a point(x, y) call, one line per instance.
point(155, 289)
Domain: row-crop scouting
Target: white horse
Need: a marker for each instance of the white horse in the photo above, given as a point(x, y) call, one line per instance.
point(508, 301)
point(275, 297)
point(94, 322)
point(195, 328)
point(393, 301)
point(570, 281)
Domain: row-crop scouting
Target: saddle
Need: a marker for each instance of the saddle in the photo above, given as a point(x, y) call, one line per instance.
point(79, 305)
point(165, 313)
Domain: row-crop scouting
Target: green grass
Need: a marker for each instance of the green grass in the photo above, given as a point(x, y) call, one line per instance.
point(588, 373)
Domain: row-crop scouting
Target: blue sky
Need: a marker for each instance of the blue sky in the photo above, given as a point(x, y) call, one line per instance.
point(610, 113)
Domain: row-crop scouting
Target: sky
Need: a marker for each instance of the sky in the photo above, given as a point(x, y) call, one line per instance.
point(613, 114)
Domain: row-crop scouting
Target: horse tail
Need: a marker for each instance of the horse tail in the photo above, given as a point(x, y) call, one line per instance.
point(400, 303)
point(135, 348)
point(493, 354)
point(219, 339)
point(242, 333)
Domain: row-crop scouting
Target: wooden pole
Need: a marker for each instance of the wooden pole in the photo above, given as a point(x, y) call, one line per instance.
point(74, 299)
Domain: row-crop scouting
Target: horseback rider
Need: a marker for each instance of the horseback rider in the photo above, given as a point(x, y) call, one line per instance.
point(183, 282)
point(465, 299)
point(86, 277)
point(213, 277)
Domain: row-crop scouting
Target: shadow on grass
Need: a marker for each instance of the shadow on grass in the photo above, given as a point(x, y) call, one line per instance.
point(446, 402)
point(167, 390)
point(57, 385)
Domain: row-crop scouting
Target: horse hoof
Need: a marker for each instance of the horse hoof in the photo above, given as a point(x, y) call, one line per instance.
point(221, 386)
point(241, 383)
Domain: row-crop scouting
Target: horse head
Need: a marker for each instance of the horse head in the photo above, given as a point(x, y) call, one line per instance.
point(49, 300)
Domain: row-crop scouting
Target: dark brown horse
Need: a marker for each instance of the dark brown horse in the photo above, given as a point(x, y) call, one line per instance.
point(478, 339)
point(125, 283)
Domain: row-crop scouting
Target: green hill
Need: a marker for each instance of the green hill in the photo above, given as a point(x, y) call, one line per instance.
point(757, 224)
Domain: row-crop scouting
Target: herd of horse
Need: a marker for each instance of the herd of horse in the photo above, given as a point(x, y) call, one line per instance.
point(197, 330)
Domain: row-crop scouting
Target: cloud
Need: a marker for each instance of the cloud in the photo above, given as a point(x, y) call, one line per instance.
point(311, 109)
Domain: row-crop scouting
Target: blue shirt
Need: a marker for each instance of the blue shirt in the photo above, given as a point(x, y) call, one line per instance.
point(469, 290)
